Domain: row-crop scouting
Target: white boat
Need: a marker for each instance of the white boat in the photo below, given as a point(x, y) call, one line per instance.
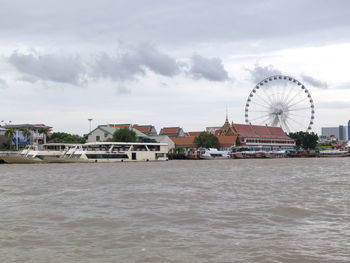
point(39, 153)
point(334, 153)
point(214, 154)
point(97, 152)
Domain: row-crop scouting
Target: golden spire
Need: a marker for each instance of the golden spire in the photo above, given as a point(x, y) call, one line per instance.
point(226, 116)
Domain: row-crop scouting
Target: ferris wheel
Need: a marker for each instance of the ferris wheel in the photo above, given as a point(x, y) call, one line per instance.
point(280, 101)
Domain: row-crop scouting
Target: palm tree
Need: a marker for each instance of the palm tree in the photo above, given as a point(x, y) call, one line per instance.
point(44, 131)
point(26, 133)
point(10, 132)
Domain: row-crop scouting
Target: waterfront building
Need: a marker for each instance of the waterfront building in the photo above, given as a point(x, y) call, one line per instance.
point(172, 132)
point(255, 137)
point(35, 135)
point(259, 137)
point(103, 133)
point(164, 139)
point(348, 131)
point(3, 138)
point(187, 143)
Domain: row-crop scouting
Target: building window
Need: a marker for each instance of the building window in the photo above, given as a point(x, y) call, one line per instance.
point(97, 138)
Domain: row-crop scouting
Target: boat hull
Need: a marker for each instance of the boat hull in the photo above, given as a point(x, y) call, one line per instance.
point(20, 159)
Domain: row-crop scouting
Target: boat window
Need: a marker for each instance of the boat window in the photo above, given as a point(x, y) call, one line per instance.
point(153, 147)
point(160, 155)
point(139, 148)
point(107, 156)
point(121, 148)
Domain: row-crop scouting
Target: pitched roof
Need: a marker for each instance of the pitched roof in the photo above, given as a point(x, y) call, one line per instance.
point(260, 131)
point(184, 141)
point(171, 131)
point(245, 130)
point(227, 140)
point(111, 130)
point(143, 128)
point(190, 134)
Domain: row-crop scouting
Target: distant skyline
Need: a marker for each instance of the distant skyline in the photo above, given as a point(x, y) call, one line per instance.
point(167, 63)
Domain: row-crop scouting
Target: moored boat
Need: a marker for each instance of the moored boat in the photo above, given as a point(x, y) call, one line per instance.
point(334, 153)
point(38, 153)
point(214, 154)
point(97, 152)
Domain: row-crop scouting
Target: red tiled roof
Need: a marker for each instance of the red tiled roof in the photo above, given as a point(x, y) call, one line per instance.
point(258, 131)
point(170, 130)
point(244, 130)
point(190, 134)
point(184, 141)
point(227, 140)
point(143, 128)
point(189, 141)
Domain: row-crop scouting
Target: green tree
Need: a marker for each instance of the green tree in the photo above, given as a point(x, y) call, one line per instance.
point(179, 150)
point(44, 131)
point(26, 134)
point(62, 137)
point(10, 132)
point(124, 135)
point(304, 140)
point(206, 140)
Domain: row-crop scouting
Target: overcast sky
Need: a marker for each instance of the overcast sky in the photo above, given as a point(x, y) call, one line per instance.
point(167, 63)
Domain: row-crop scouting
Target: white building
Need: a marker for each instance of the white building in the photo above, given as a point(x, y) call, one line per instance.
point(35, 135)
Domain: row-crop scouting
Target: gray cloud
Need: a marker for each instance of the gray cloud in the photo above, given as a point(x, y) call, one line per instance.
point(180, 21)
point(259, 73)
point(2, 84)
point(134, 62)
point(208, 68)
point(48, 67)
point(314, 82)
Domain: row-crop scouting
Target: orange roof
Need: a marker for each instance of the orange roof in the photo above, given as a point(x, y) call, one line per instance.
point(143, 128)
point(190, 134)
point(227, 140)
point(245, 130)
point(170, 130)
point(184, 141)
point(189, 141)
point(259, 131)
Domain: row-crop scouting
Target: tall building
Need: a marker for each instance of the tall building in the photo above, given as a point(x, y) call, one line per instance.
point(349, 130)
point(330, 131)
point(340, 132)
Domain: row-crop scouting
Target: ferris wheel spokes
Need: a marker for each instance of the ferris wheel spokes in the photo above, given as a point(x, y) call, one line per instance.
point(276, 100)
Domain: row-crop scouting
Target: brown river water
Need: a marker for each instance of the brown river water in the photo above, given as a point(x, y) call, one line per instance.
point(272, 210)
